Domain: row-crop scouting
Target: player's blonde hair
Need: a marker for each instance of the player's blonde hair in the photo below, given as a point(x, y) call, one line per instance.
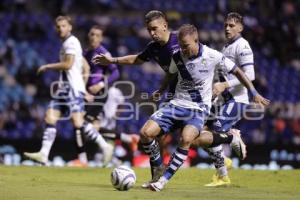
point(236, 17)
point(64, 17)
point(188, 29)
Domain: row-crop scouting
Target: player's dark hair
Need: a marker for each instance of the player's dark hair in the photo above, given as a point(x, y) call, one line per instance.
point(187, 29)
point(235, 16)
point(64, 17)
point(153, 15)
point(98, 27)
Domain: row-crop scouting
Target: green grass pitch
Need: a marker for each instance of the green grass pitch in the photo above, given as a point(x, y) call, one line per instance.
point(47, 183)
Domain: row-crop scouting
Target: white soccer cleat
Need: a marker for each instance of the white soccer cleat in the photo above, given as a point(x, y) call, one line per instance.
point(37, 156)
point(146, 185)
point(157, 173)
point(159, 185)
point(237, 144)
point(107, 154)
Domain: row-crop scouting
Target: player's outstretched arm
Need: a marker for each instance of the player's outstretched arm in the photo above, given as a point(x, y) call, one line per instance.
point(63, 65)
point(103, 59)
point(247, 83)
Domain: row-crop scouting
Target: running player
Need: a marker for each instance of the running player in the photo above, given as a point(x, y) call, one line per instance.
point(235, 98)
point(194, 64)
point(70, 94)
point(164, 43)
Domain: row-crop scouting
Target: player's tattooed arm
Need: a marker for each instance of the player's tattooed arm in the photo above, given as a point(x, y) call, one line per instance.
point(124, 60)
point(248, 84)
point(156, 95)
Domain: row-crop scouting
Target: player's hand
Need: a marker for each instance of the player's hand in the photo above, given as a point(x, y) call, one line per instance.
point(42, 69)
point(261, 100)
point(88, 97)
point(102, 59)
point(218, 88)
point(156, 95)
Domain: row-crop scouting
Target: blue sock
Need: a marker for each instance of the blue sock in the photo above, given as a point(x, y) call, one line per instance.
point(177, 159)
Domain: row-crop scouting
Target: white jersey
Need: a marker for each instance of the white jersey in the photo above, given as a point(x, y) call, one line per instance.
point(110, 108)
point(73, 77)
point(195, 77)
point(239, 51)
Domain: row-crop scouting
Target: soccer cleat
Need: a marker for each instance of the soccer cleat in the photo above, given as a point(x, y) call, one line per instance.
point(157, 172)
point(238, 145)
point(77, 163)
point(158, 185)
point(37, 156)
point(107, 153)
point(219, 181)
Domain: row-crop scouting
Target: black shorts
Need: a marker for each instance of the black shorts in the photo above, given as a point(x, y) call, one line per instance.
point(93, 109)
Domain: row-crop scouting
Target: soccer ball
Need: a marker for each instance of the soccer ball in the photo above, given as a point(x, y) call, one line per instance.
point(123, 178)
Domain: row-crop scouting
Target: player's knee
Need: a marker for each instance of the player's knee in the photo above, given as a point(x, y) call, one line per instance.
point(49, 119)
point(146, 132)
point(77, 122)
point(187, 140)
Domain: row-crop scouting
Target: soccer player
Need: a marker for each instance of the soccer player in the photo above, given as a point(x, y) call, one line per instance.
point(70, 94)
point(194, 64)
point(100, 78)
point(164, 43)
point(235, 97)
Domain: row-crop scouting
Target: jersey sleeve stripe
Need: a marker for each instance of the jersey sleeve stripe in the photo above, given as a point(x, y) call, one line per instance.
point(246, 64)
point(235, 66)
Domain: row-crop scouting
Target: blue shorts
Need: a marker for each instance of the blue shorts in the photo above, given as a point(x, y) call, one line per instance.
point(228, 115)
point(171, 116)
point(67, 104)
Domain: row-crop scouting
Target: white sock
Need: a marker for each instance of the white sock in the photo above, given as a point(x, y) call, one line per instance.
point(48, 139)
point(83, 157)
point(94, 135)
point(125, 138)
point(222, 171)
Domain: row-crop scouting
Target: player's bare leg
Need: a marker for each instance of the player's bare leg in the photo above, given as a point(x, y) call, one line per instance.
point(52, 116)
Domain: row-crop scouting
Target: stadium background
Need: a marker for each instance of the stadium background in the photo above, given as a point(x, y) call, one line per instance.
point(28, 39)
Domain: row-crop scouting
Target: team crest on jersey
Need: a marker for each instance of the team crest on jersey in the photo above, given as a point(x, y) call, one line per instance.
point(203, 62)
point(191, 66)
point(203, 66)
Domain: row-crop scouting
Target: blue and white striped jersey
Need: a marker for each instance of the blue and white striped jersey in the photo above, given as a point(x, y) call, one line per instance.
point(195, 77)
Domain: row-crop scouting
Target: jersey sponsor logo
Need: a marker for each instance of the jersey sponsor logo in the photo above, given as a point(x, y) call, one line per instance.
point(203, 71)
point(246, 47)
point(186, 85)
point(246, 53)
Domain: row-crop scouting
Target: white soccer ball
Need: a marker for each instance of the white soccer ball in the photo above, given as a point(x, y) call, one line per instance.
point(123, 178)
